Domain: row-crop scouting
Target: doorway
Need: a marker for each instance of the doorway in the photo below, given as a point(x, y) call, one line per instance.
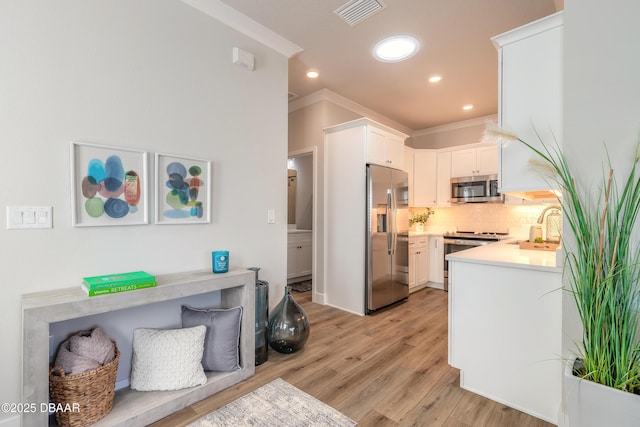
point(301, 228)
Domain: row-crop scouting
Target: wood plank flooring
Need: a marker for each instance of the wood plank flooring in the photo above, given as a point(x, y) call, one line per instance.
point(388, 369)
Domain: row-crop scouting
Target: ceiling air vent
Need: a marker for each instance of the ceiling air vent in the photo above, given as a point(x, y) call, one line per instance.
point(357, 11)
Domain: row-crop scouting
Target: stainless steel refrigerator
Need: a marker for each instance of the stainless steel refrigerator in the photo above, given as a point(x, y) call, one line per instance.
point(387, 246)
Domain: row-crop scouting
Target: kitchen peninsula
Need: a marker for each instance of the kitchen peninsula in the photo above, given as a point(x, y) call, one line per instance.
point(505, 333)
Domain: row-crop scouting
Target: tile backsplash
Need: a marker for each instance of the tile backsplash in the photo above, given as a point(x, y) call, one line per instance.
point(495, 217)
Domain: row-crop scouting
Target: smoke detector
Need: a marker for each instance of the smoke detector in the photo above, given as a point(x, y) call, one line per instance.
point(357, 11)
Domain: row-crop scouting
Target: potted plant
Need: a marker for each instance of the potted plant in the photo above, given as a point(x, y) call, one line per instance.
point(420, 219)
point(603, 262)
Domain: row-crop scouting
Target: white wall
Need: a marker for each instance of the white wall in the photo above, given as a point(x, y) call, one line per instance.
point(601, 96)
point(153, 75)
point(306, 133)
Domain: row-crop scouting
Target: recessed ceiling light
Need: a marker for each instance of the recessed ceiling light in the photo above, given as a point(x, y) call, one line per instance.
point(435, 78)
point(312, 74)
point(467, 107)
point(396, 48)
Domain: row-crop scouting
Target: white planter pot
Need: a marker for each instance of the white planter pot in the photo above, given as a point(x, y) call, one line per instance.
point(593, 405)
point(419, 227)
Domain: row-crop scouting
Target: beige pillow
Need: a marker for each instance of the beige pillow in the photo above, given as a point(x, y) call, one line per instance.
point(169, 359)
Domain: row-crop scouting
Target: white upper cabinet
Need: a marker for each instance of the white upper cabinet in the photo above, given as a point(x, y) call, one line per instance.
point(443, 180)
point(474, 161)
point(408, 168)
point(530, 97)
point(385, 148)
point(487, 160)
point(463, 162)
point(425, 178)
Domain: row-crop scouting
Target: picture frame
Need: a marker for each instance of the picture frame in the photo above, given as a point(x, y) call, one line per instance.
point(182, 189)
point(108, 185)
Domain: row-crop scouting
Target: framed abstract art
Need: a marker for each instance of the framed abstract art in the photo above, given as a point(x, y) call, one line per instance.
point(183, 190)
point(108, 185)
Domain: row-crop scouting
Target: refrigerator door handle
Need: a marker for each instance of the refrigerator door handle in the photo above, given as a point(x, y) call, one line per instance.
point(392, 220)
point(389, 222)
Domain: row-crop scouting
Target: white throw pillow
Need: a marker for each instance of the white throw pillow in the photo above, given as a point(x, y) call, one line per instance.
point(169, 359)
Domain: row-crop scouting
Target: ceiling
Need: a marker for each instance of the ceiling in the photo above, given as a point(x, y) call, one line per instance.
point(455, 37)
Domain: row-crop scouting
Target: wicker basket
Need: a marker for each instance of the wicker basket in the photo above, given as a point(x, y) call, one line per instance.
point(92, 391)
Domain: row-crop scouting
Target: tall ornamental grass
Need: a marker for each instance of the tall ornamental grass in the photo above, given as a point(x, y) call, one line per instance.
point(603, 265)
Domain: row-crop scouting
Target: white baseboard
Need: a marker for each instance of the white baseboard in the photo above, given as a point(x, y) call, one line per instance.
point(319, 298)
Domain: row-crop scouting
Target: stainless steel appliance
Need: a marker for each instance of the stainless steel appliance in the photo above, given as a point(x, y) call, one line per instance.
point(387, 245)
point(475, 189)
point(461, 240)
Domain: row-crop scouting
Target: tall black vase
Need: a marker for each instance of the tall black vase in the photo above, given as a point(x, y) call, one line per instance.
point(262, 319)
point(288, 325)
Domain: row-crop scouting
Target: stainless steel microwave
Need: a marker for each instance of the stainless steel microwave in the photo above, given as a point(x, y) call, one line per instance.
point(475, 189)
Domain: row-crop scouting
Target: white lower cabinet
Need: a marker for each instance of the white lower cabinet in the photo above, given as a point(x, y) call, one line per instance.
point(299, 255)
point(436, 261)
point(418, 261)
point(505, 334)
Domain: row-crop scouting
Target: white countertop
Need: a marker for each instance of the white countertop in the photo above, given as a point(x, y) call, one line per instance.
point(297, 231)
point(424, 233)
point(507, 253)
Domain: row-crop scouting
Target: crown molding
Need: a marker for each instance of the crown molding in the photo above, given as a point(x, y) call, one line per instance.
point(245, 25)
point(334, 98)
point(528, 30)
point(456, 125)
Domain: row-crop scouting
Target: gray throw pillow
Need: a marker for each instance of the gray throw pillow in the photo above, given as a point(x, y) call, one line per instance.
point(222, 340)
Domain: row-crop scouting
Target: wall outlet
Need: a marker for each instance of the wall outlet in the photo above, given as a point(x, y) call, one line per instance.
point(243, 58)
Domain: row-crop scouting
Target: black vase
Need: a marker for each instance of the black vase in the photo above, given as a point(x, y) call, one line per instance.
point(288, 325)
point(262, 319)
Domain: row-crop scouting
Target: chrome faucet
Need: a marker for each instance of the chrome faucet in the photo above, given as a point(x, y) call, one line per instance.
point(541, 218)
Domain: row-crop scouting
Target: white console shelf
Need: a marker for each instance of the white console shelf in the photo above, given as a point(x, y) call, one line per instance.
point(133, 408)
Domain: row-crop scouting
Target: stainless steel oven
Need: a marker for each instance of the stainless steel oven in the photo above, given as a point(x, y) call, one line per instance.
point(456, 242)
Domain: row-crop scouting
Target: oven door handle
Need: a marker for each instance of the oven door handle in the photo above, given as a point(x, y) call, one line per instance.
point(467, 242)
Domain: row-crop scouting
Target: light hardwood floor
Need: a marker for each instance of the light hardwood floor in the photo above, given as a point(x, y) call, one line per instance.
point(387, 369)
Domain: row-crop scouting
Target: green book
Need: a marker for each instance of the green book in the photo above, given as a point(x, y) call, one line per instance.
point(116, 289)
point(121, 279)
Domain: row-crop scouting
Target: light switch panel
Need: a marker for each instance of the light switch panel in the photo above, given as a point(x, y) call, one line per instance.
point(22, 217)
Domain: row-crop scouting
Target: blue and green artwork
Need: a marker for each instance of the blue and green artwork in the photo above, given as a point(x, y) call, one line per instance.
point(182, 198)
point(109, 189)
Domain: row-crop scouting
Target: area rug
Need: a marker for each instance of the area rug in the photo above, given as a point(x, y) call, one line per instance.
point(304, 286)
point(277, 403)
